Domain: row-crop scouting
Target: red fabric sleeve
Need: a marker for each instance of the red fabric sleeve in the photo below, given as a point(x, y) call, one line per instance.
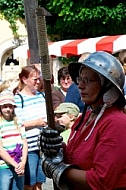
point(109, 159)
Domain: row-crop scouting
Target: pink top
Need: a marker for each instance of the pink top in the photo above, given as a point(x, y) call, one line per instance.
point(103, 154)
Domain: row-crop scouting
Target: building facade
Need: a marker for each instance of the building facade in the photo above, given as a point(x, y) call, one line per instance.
point(10, 67)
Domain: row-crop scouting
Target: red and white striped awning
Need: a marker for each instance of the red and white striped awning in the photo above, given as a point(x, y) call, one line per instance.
point(67, 48)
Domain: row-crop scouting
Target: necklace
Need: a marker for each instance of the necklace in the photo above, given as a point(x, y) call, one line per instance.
point(93, 114)
point(97, 109)
point(90, 118)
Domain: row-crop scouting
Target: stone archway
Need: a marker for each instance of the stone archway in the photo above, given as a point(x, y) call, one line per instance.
point(6, 50)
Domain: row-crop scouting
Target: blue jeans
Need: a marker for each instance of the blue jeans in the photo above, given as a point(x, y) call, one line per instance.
point(9, 180)
point(33, 169)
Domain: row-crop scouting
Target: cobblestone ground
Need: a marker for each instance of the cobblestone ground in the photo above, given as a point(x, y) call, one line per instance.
point(48, 185)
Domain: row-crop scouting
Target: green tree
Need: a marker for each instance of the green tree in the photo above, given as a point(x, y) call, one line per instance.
point(11, 11)
point(74, 19)
point(81, 19)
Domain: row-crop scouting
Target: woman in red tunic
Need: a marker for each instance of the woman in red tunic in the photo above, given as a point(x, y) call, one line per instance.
point(95, 156)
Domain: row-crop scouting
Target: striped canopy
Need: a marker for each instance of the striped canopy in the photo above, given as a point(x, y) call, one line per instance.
point(67, 48)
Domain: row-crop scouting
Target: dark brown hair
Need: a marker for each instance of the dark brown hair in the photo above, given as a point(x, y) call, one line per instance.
point(25, 72)
point(62, 73)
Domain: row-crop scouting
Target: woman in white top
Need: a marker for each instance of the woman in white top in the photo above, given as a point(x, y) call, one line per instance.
point(31, 108)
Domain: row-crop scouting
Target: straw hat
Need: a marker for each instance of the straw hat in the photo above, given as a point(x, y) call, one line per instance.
point(7, 97)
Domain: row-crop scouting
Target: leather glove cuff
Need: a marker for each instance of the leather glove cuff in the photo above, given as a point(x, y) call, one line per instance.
point(56, 171)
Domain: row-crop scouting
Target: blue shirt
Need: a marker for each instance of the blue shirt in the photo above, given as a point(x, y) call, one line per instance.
point(73, 95)
point(124, 87)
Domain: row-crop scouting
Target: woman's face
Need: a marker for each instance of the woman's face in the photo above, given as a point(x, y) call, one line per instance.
point(7, 110)
point(32, 82)
point(65, 82)
point(90, 86)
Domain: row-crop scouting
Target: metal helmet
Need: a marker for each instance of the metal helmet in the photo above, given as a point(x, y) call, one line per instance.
point(103, 63)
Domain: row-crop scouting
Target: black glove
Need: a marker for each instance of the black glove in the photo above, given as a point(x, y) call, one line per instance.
point(50, 142)
point(55, 171)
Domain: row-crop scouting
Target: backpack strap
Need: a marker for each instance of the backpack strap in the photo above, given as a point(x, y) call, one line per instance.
point(42, 94)
point(22, 101)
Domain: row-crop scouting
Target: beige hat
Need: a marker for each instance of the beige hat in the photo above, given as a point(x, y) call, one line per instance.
point(67, 108)
point(7, 97)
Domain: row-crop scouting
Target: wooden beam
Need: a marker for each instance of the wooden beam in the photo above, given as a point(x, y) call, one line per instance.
point(30, 7)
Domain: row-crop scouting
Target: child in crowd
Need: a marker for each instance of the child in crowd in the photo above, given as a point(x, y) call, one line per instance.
point(13, 145)
point(65, 115)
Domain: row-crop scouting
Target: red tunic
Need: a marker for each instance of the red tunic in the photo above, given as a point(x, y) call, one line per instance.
point(103, 154)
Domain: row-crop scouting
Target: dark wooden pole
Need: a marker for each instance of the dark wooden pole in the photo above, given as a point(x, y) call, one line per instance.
point(30, 7)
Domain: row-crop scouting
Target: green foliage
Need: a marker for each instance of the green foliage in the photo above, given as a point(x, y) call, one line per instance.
point(73, 19)
point(12, 10)
point(86, 18)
